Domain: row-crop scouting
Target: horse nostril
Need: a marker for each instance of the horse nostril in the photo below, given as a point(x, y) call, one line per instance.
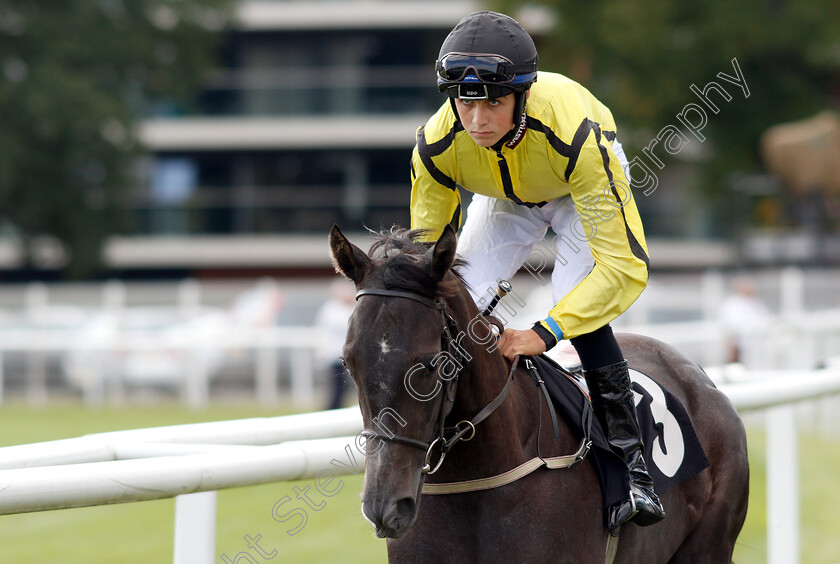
point(398, 517)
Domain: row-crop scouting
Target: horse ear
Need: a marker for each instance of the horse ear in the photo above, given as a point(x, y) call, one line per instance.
point(443, 254)
point(347, 258)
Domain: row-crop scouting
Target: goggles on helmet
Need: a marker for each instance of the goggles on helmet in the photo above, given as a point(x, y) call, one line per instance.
point(495, 69)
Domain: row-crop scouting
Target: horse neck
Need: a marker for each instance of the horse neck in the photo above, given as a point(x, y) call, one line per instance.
point(486, 370)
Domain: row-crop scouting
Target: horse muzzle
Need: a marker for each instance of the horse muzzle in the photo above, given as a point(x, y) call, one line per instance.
point(391, 518)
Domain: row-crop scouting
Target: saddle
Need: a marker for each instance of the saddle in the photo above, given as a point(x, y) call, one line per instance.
point(672, 451)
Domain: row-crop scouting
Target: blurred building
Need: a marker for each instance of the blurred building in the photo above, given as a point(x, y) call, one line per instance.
point(309, 122)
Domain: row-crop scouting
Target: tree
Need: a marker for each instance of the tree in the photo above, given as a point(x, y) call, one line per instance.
point(74, 79)
point(642, 56)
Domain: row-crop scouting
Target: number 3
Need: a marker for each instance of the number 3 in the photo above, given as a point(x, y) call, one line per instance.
point(671, 437)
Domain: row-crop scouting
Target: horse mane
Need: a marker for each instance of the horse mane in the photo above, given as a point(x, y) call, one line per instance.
point(405, 259)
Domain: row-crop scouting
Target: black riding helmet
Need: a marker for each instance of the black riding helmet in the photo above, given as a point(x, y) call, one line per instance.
point(486, 56)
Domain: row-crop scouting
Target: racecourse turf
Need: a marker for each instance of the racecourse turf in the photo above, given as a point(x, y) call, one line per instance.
point(294, 522)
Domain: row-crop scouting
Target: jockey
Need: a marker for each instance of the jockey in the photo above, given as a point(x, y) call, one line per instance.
point(537, 150)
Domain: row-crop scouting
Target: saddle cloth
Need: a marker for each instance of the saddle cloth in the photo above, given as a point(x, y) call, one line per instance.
point(672, 451)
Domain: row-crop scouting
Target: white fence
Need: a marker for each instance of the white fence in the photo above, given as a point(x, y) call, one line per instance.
point(183, 360)
point(104, 343)
point(184, 460)
point(110, 339)
point(191, 462)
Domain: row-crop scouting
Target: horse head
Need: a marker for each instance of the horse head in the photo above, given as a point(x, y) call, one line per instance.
point(399, 353)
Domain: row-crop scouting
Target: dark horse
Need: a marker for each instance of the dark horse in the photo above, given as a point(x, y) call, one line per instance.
point(410, 304)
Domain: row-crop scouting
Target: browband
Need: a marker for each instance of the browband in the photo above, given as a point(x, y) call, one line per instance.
point(407, 295)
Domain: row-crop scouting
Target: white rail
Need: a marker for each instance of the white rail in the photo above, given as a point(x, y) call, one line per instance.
point(182, 439)
point(99, 483)
point(775, 392)
point(183, 460)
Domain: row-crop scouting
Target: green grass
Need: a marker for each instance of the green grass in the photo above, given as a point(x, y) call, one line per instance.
point(336, 532)
point(143, 532)
point(819, 460)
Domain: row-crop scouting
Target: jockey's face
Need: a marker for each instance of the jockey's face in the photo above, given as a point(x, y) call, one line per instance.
point(486, 121)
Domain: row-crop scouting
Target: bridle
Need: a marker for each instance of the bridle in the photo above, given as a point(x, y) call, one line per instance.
point(464, 430)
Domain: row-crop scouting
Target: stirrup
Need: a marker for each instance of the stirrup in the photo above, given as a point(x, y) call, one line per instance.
point(621, 513)
point(649, 510)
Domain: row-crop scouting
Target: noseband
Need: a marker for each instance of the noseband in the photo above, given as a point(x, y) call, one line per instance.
point(464, 430)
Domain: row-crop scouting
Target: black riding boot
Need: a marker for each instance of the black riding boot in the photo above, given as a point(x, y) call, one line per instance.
point(614, 405)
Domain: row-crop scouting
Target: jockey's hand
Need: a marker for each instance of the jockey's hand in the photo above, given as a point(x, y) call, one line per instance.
point(514, 342)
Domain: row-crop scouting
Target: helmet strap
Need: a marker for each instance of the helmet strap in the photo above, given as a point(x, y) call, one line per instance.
point(520, 123)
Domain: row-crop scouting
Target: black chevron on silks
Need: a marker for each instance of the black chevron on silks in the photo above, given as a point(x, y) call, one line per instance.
point(429, 150)
point(635, 247)
point(507, 184)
